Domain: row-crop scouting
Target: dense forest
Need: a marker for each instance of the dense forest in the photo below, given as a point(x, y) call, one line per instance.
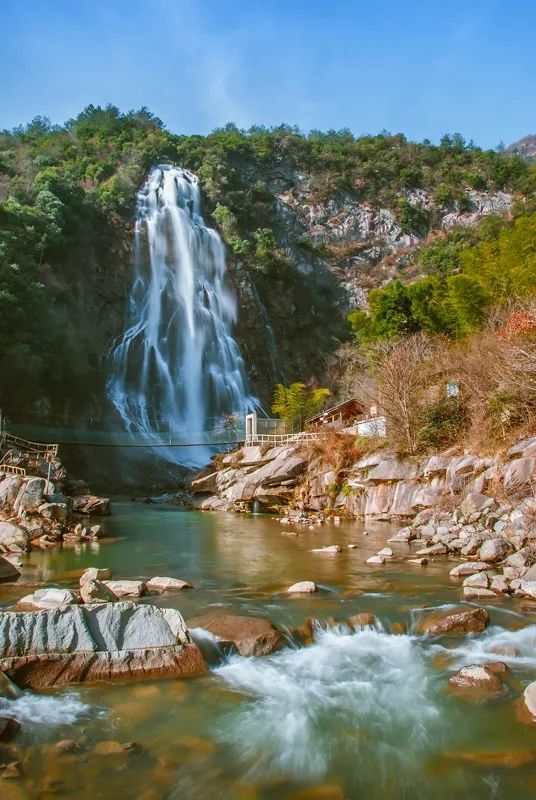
point(67, 197)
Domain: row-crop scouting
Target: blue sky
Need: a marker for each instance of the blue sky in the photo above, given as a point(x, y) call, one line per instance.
point(420, 67)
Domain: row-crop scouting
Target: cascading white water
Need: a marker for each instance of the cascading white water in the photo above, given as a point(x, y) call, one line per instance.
point(177, 367)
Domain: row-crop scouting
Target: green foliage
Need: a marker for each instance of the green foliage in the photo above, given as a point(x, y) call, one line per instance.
point(413, 218)
point(442, 423)
point(297, 402)
point(468, 274)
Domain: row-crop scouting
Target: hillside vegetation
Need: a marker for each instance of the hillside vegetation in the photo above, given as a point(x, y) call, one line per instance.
point(67, 196)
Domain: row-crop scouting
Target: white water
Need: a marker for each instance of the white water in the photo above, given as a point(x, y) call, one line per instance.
point(42, 710)
point(177, 369)
point(364, 696)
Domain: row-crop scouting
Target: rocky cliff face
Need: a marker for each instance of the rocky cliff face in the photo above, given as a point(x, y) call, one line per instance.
point(338, 247)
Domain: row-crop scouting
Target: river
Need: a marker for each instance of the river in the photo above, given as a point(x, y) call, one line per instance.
point(363, 714)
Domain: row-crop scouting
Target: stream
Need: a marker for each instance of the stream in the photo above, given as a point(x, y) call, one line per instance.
point(364, 714)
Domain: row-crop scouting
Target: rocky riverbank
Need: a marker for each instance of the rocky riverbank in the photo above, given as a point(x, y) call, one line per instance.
point(36, 512)
point(478, 509)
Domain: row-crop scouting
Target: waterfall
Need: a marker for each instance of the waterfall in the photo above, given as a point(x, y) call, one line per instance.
point(177, 367)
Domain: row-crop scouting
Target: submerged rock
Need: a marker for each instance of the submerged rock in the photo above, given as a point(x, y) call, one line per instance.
point(252, 636)
point(303, 587)
point(331, 549)
point(453, 623)
point(95, 642)
point(478, 677)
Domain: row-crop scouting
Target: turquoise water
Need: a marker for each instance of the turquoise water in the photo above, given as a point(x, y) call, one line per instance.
point(353, 715)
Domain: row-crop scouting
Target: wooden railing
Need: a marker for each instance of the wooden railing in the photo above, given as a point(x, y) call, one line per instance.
point(276, 439)
point(47, 452)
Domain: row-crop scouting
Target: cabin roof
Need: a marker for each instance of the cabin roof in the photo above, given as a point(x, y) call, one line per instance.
point(351, 406)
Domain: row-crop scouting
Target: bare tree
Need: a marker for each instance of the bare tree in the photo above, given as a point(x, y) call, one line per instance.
point(401, 373)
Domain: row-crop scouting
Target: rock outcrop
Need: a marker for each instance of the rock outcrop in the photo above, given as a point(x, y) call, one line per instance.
point(109, 641)
point(251, 636)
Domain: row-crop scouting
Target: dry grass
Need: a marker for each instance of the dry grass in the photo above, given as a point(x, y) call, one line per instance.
point(335, 451)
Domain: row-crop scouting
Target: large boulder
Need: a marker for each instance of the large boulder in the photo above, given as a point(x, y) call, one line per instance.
point(519, 472)
point(392, 470)
point(91, 505)
point(474, 502)
point(453, 623)
point(13, 538)
point(8, 570)
point(30, 495)
point(9, 489)
point(252, 636)
point(94, 643)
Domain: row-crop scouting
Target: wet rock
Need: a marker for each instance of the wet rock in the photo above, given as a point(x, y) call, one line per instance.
point(376, 560)
point(113, 748)
point(126, 588)
point(420, 562)
point(386, 552)
point(91, 505)
point(252, 636)
point(329, 550)
point(468, 568)
point(13, 538)
point(96, 642)
point(453, 623)
point(49, 598)
point(96, 592)
point(404, 535)
point(57, 512)
point(63, 747)
point(8, 729)
point(529, 699)
point(303, 587)
point(162, 584)
point(399, 628)
point(493, 550)
point(497, 666)
point(475, 593)
point(95, 574)
point(8, 570)
point(363, 620)
point(478, 677)
point(433, 550)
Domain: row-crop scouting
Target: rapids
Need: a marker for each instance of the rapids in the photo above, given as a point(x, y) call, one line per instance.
point(356, 714)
